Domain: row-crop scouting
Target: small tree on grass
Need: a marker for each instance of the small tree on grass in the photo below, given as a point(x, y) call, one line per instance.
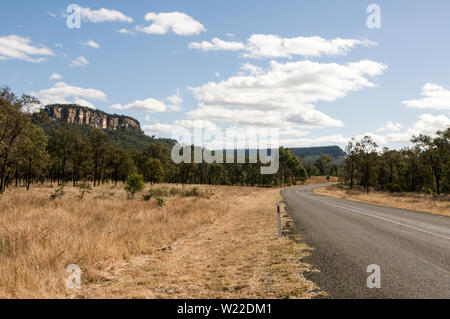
point(135, 184)
point(85, 188)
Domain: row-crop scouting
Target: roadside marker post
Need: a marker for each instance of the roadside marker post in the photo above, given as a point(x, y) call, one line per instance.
point(279, 219)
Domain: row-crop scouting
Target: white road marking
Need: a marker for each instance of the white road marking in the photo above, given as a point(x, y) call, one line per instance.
point(386, 219)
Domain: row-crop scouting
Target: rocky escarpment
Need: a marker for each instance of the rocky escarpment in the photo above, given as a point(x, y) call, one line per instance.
point(75, 114)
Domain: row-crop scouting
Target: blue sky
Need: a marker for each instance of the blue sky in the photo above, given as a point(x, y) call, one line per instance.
point(391, 82)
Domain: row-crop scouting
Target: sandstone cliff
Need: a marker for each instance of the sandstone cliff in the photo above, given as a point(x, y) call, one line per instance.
point(80, 115)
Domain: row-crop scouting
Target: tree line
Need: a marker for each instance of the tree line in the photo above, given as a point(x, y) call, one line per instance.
point(423, 167)
point(72, 155)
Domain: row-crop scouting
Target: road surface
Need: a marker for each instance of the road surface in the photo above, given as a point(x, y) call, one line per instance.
point(411, 248)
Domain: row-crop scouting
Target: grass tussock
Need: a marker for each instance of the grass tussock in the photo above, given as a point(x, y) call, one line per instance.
point(413, 201)
point(208, 242)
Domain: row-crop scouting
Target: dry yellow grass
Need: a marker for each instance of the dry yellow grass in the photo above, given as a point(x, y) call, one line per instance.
point(413, 201)
point(223, 245)
point(315, 180)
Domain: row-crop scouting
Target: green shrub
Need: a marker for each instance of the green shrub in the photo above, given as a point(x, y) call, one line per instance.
point(59, 192)
point(147, 197)
point(134, 184)
point(160, 201)
point(174, 191)
point(85, 188)
point(429, 191)
point(193, 192)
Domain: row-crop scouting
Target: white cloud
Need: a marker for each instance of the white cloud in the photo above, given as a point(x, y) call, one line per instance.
point(59, 45)
point(172, 102)
point(158, 128)
point(434, 97)
point(125, 31)
point(217, 74)
point(56, 76)
point(91, 44)
point(148, 105)
point(83, 102)
point(272, 46)
point(391, 127)
point(314, 141)
point(231, 35)
point(177, 22)
point(62, 93)
point(285, 94)
point(175, 101)
point(17, 47)
point(426, 124)
point(252, 69)
point(103, 15)
point(79, 62)
point(179, 124)
point(216, 44)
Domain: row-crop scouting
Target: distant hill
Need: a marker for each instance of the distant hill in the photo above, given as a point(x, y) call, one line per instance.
point(124, 130)
point(311, 154)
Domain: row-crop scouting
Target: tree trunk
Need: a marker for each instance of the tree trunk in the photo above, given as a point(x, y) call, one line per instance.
point(28, 174)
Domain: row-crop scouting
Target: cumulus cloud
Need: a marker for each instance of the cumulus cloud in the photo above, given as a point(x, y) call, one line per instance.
point(151, 105)
point(391, 127)
point(148, 105)
point(314, 141)
point(252, 69)
point(17, 47)
point(103, 15)
point(175, 101)
point(426, 124)
point(179, 124)
point(84, 102)
point(272, 46)
point(217, 44)
point(62, 93)
point(91, 44)
point(434, 97)
point(177, 22)
point(285, 94)
point(125, 31)
point(79, 62)
point(55, 76)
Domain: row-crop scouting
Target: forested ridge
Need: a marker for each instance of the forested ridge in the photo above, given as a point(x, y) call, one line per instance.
point(36, 149)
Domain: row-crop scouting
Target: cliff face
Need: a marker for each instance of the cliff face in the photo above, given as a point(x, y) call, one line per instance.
point(75, 114)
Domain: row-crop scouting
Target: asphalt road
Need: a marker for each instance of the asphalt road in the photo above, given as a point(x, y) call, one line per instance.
point(411, 248)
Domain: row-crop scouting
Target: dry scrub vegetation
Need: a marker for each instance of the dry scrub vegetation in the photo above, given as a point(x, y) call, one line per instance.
point(414, 201)
point(221, 244)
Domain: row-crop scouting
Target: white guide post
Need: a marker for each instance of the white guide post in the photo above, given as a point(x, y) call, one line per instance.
point(279, 219)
